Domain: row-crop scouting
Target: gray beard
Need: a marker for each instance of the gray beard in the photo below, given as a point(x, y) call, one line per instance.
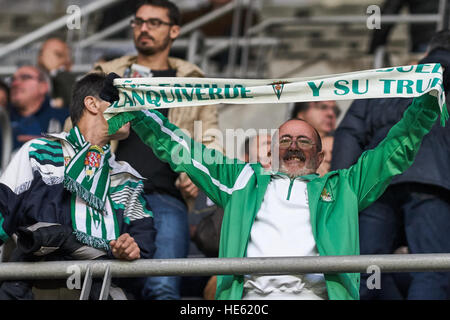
point(308, 168)
point(296, 173)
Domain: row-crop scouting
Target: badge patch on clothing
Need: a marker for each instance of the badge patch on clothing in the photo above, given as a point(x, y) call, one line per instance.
point(326, 196)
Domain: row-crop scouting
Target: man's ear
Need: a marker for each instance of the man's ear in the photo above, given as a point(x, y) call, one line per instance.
point(91, 104)
point(174, 32)
point(320, 157)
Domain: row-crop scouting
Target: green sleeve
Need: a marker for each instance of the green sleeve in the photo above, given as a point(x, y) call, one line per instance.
point(217, 175)
point(374, 170)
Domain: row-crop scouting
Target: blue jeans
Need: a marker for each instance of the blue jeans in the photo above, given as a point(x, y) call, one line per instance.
point(172, 241)
point(415, 215)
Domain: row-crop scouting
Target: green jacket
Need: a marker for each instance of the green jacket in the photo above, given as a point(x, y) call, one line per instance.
point(334, 199)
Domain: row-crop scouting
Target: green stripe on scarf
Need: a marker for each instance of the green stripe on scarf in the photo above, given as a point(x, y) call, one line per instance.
point(117, 121)
point(87, 173)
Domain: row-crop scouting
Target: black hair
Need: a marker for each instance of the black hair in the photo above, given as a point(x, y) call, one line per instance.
point(299, 107)
point(174, 12)
point(89, 85)
point(440, 40)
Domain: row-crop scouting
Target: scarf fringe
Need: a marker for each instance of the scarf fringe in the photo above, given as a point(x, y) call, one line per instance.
point(74, 187)
point(91, 241)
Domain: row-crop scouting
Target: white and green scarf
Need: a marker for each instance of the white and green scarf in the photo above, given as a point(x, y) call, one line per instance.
point(152, 93)
point(87, 173)
point(87, 177)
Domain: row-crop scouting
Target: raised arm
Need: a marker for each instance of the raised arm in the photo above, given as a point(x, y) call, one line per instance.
point(374, 170)
point(217, 175)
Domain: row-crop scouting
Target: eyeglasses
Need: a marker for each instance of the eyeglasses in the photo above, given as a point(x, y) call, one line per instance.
point(324, 107)
point(23, 77)
point(152, 23)
point(302, 143)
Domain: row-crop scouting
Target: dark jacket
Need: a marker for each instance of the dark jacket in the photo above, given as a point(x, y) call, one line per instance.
point(46, 120)
point(367, 122)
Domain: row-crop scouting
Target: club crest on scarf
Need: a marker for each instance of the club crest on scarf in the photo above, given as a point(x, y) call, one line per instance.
point(278, 88)
point(93, 160)
point(87, 172)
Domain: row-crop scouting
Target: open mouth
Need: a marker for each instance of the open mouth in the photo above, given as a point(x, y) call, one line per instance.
point(293, 158)
point(294, 155)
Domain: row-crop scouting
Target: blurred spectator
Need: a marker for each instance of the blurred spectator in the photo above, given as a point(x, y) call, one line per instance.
point(30, 111)
point(55, 59)
point(420, 33)
point(416, 206)
point(4, 94)
point(327, 148)
point(321, 115)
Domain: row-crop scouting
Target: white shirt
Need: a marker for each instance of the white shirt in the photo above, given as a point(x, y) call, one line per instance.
point(282, 227)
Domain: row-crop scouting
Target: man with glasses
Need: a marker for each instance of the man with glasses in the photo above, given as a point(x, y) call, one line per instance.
point(31, 113)
point(322, 115)
point(288, 210)
point(155, 27)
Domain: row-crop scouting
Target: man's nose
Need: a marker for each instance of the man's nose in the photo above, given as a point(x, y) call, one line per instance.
point(330, 112)
point(293, 145)
point(144, 27)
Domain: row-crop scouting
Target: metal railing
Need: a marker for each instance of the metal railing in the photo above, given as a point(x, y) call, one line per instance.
point(108, 269)
point(53, 26)
point(440, 18)
point(228, 266)
point(234, 41)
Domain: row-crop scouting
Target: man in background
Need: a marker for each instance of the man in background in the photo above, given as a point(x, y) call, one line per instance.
point(31, 113)
point(322, 115)
point(55, 58)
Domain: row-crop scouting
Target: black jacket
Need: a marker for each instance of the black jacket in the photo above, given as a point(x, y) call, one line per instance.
point(368, 121)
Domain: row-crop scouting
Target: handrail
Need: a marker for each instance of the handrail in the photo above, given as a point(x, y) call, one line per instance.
point(53, 26)
point(344, 19)
point(228, 266)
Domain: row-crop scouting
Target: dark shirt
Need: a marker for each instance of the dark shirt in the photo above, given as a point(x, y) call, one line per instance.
point(368, 121)
point(46, 120)
point(160, 177)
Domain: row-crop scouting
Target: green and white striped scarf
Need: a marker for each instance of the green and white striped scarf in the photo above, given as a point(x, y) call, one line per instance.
point(87, 173)
point(87, 176)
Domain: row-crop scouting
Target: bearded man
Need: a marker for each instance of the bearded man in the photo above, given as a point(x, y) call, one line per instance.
point(289, 210)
